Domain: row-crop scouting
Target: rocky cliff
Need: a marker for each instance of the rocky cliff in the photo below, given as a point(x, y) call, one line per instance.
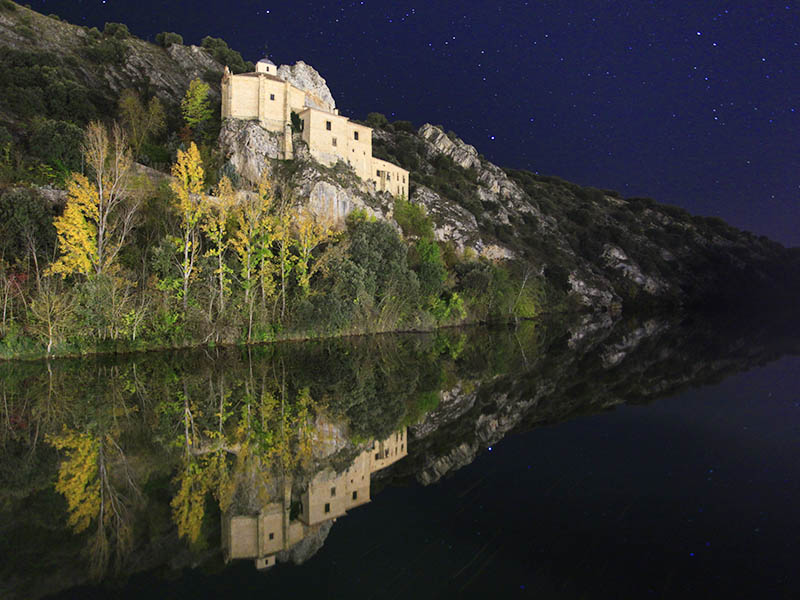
point(586, 248)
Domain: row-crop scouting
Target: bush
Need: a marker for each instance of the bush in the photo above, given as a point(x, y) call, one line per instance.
point(220, 51)
point(377, 120)
point(57, 143)
point(413, 219)
point(25, 219)
point(167, 38)
point(431, 270)
point(117, 30)
point(8, 5)
point(110, 51)
point(404, 126)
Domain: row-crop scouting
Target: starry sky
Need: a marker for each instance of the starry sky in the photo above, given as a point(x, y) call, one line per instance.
point(690, 103)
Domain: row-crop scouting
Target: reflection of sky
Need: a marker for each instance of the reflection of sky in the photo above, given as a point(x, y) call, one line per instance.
point(692, 495)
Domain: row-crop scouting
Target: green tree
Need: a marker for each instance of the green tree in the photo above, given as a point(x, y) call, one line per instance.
point(167, 38)
point(196, 106)
point(141, 123)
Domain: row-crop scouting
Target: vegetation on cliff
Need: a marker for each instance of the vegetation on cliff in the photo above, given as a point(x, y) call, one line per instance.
point(144, 234)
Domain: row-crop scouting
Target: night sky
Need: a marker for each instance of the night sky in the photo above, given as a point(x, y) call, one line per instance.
point(690, 103)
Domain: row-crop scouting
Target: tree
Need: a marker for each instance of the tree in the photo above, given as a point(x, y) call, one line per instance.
point(196, 106)
point(98, 216)
point(252, 243)
point(167, 38)
point(140, 122)
point(188, 188)
point(215, 226)
point(310, 234)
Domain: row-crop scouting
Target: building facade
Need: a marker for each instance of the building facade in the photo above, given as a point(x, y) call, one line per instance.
point(331, 137)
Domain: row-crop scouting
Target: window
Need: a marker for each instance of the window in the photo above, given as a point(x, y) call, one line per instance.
point(404, 178)
point(401, 447)
point(355, 135)
point(388, 176)
point(328, 125)
point(333, 141)
point(327, 507)
point(333, 492)
point(377, 456)
point(272, 96)
point(377, 174)
point(272, 536)
point(355, 495)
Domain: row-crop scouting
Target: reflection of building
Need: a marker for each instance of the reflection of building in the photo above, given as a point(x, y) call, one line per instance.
point(271, 100)
point(329, 495)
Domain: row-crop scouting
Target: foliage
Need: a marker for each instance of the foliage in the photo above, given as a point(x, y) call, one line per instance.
point(141, 123)
point(196, 106)
point(377, 120)
point(26, 225)
point(77, 477)
point(107, 50)
point(98, 216)
point(188, 188)
point(167, 38)
point(57, 143)
point(413, 219)
point(220, 51)
point(116, 30)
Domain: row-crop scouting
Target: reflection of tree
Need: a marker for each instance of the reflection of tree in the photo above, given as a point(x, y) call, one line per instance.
point(92, 478)
point(272, 435)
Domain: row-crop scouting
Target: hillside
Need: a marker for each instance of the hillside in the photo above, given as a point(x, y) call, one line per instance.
point(473, 243)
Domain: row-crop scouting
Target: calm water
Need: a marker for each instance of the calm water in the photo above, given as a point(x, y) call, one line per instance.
point(651, 459)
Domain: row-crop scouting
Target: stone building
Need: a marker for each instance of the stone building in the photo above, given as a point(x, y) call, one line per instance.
point(270, 99)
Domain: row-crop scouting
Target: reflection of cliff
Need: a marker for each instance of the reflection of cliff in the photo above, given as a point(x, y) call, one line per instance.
point(327, 496)
point(590, 368)
point(226, 425)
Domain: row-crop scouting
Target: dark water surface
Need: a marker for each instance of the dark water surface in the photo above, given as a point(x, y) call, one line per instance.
point(648, 459)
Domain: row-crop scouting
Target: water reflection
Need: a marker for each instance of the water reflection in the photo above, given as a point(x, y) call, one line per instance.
point(326, 497)
point(118, 465)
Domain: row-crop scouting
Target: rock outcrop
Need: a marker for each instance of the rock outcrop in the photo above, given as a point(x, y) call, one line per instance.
point(248, 148)
point(306, 78)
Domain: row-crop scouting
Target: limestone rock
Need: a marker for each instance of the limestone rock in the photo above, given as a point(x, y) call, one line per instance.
point(246, 146)
point(306, 78)
point(462, 154)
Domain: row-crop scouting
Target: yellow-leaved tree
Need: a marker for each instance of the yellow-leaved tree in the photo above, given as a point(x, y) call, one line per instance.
point(100, 211)
point(311, 232)
point(252, 244)
point(215, 226)
point(188, 189)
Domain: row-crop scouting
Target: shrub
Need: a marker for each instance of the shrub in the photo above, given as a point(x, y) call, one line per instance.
point(167, 38)
point(413, 219)
point(8, 5)
point(431, 270)
point(110, 50)
point(405, 126)
point(377, 120)
point(220, 51)
point(57, 143)
point(117, 30)
point(25, 219)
